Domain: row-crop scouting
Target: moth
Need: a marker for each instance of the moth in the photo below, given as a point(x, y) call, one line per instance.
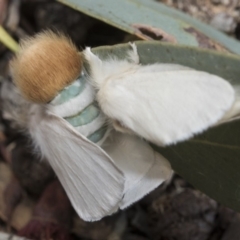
point(93, 125)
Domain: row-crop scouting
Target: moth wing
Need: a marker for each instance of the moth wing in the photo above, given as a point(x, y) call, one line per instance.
point(159, 172)
point(143, 168)
point(91, 180)
point(234, 113)
point(164, 67)
point(166, 107)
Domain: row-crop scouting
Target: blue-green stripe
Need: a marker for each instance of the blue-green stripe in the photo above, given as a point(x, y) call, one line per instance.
point(84, 117)
point(98, 135)
point(70, 92)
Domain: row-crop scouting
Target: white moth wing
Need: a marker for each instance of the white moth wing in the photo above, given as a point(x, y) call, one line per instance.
point(92, 182)
point(159, 172)
point(234, 112)
point(163, 67)
point(130, 154)
point(143, 168)
point(165, 107)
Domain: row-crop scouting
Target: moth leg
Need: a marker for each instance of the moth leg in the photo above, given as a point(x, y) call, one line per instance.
point(94, 60)
point(133, 54)
point(120, 128)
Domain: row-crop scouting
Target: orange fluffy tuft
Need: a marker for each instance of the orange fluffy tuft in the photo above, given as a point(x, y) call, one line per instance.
point(45, 64)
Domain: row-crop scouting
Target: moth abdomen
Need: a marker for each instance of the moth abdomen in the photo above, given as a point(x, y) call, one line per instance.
point(76, 104)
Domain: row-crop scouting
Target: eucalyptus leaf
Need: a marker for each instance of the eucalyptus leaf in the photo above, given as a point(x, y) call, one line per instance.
point(151, 20)
point(210, 161)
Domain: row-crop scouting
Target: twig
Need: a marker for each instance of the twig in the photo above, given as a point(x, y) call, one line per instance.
point(7, 40)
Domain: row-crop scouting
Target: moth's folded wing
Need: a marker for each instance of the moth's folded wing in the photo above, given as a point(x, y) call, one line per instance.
point(144, 169)
point(166, 107)
point(91, 180)
point(159, 172)
point(234, 112)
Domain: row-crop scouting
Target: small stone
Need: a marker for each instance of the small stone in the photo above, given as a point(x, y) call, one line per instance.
point(223, 22)
point(225, 2)
point(215, 1)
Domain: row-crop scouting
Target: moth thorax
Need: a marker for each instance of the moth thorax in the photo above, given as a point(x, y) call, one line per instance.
point(76, 104)
point(44, 65)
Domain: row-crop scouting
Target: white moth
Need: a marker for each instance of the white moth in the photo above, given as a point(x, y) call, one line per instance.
point(104, 167)
point(98, 183)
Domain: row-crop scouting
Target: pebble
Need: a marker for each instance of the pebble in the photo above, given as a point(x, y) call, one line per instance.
point(223, 22)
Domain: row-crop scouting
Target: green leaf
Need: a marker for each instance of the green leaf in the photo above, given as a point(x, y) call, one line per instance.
point(210, 161)
point(151, 20)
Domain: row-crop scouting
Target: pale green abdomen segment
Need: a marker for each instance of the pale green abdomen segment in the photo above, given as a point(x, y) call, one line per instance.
point(70, 92)
point(88, 120)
